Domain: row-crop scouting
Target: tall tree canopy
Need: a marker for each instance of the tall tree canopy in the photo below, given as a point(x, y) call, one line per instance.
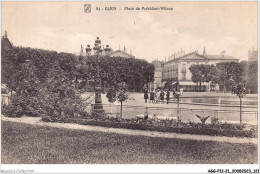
point(116, 70)
point(250, 75)
point(201, 73)
point(228, 73)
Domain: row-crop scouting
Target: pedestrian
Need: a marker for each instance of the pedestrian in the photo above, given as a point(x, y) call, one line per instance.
point(155, 96)
point(168, 96)
point(151, 96)
point(145, 95)
point(162, 96)
point(158, 96)
point(181, 91)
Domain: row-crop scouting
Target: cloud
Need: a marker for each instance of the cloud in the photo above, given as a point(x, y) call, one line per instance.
point(149, 34)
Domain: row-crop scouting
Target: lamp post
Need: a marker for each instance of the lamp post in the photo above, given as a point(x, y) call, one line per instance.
point(177, 96)
point(98, 101)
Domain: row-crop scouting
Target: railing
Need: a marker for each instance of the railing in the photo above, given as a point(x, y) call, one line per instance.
point(186, 114)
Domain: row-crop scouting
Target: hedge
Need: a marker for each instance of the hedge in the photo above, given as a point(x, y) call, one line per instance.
point(171, 129)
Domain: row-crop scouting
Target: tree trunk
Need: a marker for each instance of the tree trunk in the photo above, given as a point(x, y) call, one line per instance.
point(121, 109)
point(178, 109)
point(240, 110)
point(200, 86)
point(224, 86)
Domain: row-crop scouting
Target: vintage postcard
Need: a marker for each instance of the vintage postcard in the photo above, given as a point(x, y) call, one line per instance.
point(90, 83)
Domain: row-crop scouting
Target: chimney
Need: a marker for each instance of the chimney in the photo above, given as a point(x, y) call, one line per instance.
point(204, 51)
point(81, 50)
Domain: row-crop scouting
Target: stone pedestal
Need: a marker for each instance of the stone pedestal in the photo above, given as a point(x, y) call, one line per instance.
point(98, 107)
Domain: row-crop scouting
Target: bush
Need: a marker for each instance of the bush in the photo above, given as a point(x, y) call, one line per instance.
point(111, 95)
point(16, 107)
point(165, 126)
point(214, 120)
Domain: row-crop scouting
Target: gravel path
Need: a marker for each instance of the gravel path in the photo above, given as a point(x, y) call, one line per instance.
point(37, 121)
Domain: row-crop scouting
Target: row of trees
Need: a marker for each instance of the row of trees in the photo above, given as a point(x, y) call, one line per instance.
point(21, 65)
point(226, 74)
point(45, 82)
point(134, 73)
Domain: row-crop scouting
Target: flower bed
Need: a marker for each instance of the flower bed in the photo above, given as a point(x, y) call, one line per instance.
point(169, 126)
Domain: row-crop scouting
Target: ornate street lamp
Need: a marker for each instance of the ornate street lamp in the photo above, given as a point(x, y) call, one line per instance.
point(98, 101)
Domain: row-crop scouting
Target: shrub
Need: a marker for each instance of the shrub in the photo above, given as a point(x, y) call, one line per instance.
point(111, 95)
point(165, 126)
point(16, 107)
point(214, 120)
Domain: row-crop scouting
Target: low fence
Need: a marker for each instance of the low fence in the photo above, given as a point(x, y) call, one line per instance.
point(186, 114)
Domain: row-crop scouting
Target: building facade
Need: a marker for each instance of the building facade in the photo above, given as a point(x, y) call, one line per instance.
point(121, 53)
point(176, 74)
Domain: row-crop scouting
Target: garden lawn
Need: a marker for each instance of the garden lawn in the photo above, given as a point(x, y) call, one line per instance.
point(29, 144)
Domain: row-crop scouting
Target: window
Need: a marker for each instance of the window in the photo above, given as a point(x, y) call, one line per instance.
point(183, 68)
point(184, 76)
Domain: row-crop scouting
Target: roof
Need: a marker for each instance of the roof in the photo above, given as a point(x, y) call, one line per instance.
point(221, 57)
point(196, 56)
point(123, 54)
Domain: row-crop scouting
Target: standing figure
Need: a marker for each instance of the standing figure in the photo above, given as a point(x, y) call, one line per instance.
point(162, 96)
point(155, 96)
point(152, 96)
point(158, 96)
point(168, 96)
point(145, 95)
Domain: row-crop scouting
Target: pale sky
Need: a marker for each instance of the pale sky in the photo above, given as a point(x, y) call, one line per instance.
point(64, 26)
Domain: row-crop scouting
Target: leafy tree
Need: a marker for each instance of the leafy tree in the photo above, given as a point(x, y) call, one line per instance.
point(201, 73)
point(250, 75)
point(227, 74)
point(59, 97)
point(48, 82)
point(122, 96)
point(41, 78)
point(253, 77)
point(240, 91)
point(13, 61)
point(25, 100)
point(116, 70)
point(111, 95)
